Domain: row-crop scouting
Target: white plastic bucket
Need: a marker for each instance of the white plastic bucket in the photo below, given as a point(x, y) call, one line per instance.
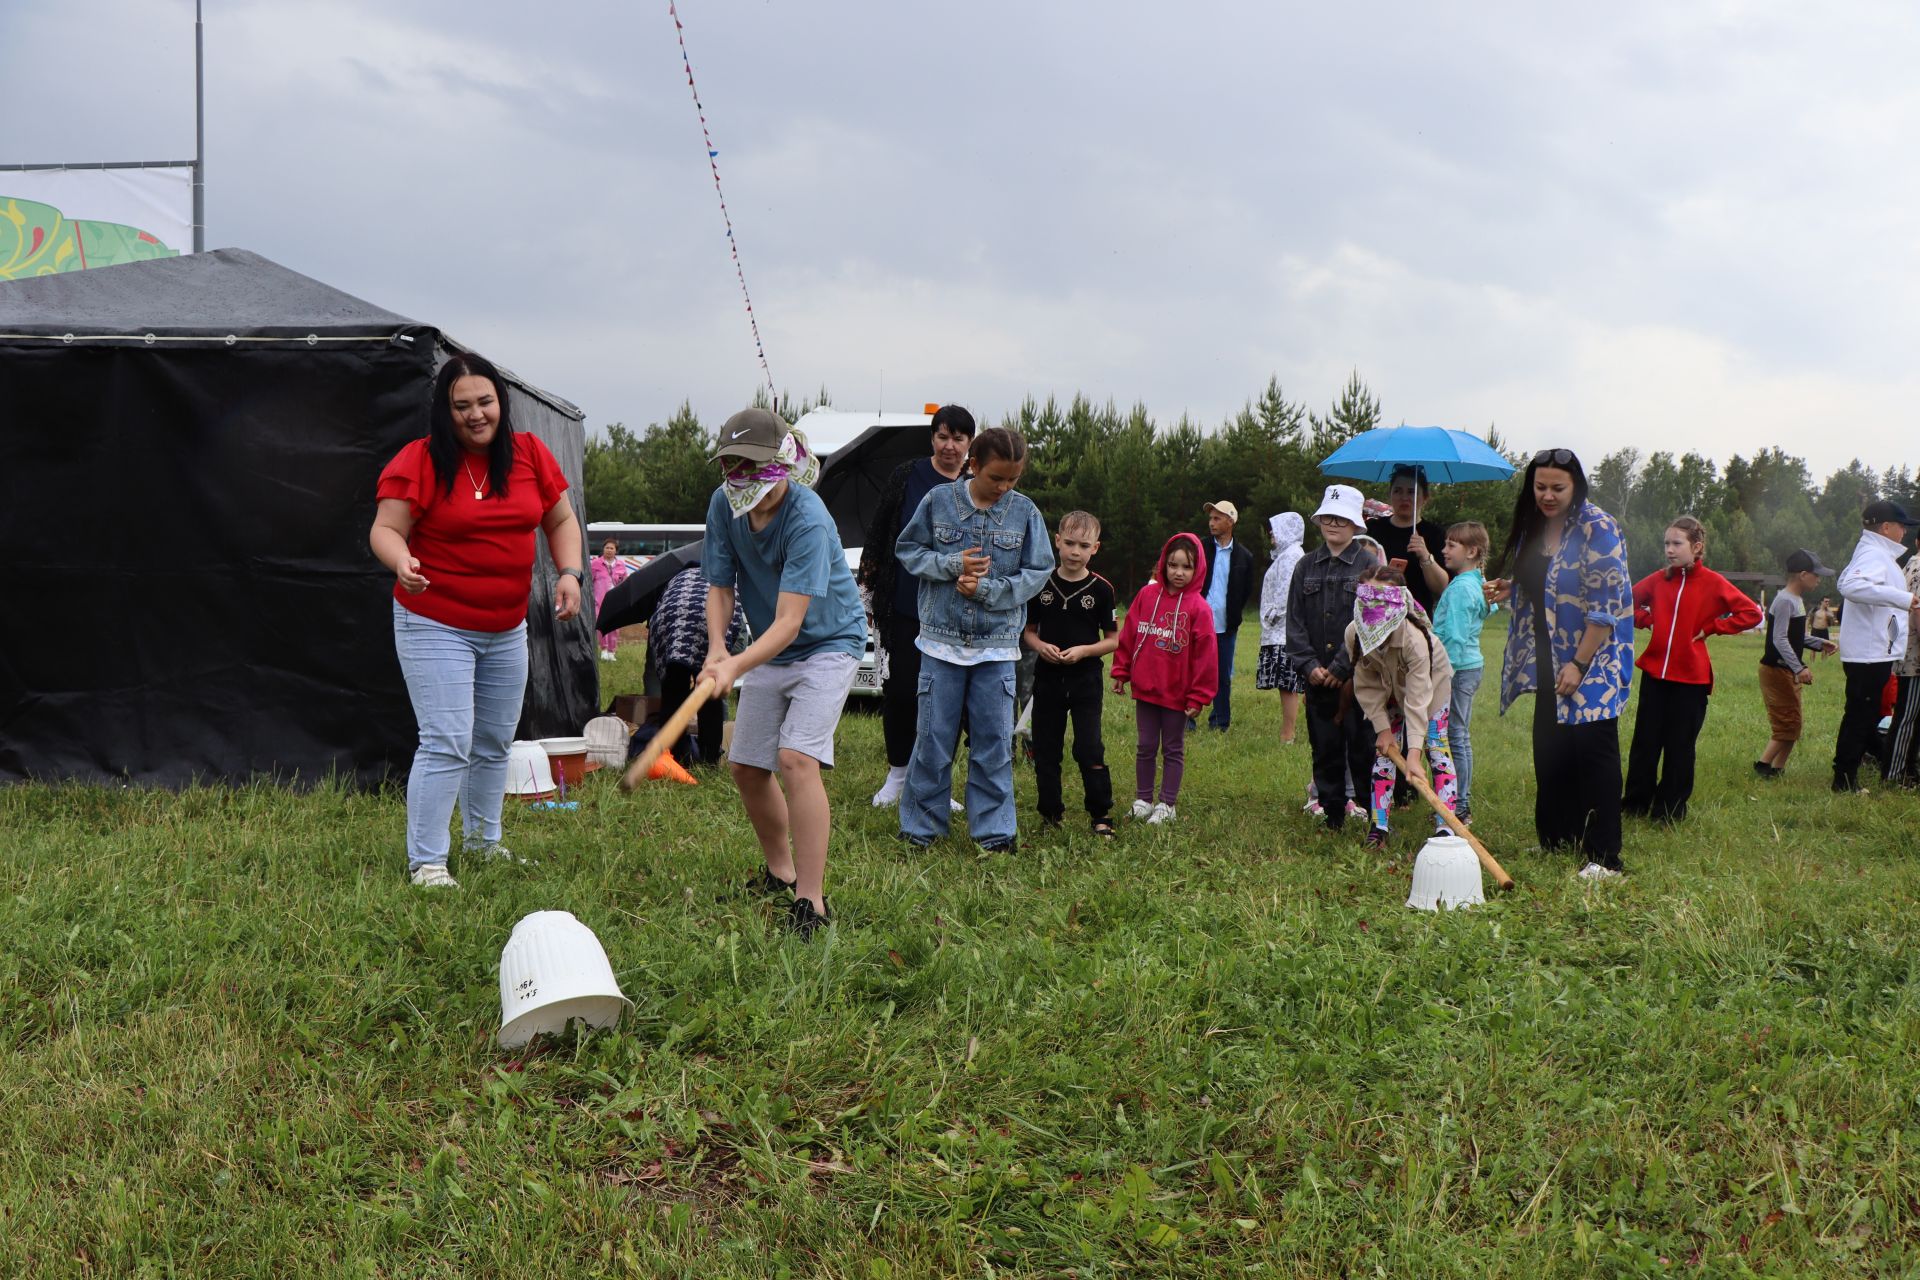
point(1446, 874)
point(529, 772)
point(552, 971)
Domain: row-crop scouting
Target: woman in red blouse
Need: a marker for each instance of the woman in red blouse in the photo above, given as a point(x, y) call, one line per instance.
point(456, 519)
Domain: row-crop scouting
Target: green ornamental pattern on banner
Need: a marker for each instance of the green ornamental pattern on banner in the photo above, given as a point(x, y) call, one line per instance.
point(38, 240)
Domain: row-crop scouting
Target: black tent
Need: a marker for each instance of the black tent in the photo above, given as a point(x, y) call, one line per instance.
point(855, 477)
point(192, 445)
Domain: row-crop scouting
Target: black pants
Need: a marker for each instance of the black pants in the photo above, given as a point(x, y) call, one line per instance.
point(1666, 723)
point(1576, 770)
point(1900, 761)
point(1060, 693)
point(900, 695)
point(1859, 721)
point(676, 682)
point(1342, 745)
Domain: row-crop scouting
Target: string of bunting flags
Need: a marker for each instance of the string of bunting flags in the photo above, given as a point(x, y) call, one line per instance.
point(713, 162)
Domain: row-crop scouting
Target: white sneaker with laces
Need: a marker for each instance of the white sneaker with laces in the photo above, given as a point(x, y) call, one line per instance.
point(1594, 871)
point(1355, 811)
point(1162, 813)
point(433, 876)
point(1141, 808)
point(1313, 809)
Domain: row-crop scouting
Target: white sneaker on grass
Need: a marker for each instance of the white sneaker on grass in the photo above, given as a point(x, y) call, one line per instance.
point(1594, 871)
point(433, 876)
point(955, 805)
point(1162, 813)
point(1142, 809)
point(889, 793)
point(497, 852)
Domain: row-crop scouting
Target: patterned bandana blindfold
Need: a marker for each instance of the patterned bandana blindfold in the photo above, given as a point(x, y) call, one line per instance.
point(746, 484)
point(1379, 608)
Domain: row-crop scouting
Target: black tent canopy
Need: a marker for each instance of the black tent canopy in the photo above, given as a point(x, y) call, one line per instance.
point(854, 478)
point(192, 449)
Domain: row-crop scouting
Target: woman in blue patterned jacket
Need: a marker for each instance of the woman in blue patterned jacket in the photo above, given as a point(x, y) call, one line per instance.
point(1570, 643)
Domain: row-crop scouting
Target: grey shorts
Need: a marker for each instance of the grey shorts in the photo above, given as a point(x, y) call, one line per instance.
point(791, 708)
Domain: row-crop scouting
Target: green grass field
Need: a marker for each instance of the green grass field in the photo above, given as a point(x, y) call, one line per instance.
point(237, 1043)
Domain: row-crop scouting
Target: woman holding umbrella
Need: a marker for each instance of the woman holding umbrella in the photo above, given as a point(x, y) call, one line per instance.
point(1570, 643)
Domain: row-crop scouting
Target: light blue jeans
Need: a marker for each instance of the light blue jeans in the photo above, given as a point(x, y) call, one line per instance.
point(985, 692)
point(466, 687)
point(1460, 727)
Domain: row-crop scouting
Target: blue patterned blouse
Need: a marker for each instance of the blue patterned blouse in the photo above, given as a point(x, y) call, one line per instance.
point(1587, 582)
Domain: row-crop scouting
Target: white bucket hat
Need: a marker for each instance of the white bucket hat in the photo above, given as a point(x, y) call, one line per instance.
point(1342, 500)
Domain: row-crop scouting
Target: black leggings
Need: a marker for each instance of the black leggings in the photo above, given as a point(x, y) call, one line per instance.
point(1666, 723)
point(900, 695)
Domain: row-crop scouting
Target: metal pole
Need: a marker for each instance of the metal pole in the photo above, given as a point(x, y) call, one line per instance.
point(199, 138)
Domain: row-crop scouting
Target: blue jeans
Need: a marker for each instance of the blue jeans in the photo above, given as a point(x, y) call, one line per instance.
point(985, 693)
point(466, 687)
point(1460, 728)
point(1222, 714)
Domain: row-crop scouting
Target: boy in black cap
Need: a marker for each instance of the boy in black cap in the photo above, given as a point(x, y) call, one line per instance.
point(1782, 668)
point(1873, 630)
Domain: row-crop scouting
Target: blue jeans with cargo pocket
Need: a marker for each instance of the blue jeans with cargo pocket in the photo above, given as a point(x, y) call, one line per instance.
point(984, 691)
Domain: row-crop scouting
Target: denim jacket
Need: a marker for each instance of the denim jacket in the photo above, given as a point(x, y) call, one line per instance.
point(1586, 582)
point(1319, 607)
point(1013, 536)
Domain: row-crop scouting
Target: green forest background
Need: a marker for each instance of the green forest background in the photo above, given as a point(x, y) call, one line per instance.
point(1145, 479)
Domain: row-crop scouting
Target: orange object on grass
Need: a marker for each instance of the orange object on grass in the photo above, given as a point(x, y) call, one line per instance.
point(669, 768)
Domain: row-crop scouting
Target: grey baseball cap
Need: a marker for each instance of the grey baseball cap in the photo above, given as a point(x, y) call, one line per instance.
point(753, 434)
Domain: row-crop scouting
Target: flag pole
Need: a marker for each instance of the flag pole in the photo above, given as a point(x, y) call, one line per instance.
point(199, 137)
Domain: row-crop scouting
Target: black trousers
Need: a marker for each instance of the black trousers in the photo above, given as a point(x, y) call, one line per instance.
point(1859, 721)
point(1060, 693)
point(1342, 745)
point(676, 683)
point(1667, 723)
point(900, 695)
point(1576, 768)
point(1900, 760)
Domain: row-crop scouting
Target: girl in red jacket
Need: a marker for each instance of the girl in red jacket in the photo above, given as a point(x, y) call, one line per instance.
point(1682, 605)
point(1167, 651)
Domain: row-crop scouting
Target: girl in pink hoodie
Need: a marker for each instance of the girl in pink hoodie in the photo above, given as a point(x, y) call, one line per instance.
point(1167, 652)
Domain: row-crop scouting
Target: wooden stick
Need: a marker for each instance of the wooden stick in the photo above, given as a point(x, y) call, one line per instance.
point(669, 734)
point(1459, 828)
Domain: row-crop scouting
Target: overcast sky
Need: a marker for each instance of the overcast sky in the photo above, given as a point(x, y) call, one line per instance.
point(1671, 226)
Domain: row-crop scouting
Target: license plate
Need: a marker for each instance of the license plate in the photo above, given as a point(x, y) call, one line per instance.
point(866, 678)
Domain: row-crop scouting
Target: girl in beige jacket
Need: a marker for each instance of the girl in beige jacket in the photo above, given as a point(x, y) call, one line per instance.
point(1403, 681)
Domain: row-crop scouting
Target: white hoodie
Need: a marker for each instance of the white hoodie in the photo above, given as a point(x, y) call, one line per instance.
point(1289, 530)
point(1873, 628)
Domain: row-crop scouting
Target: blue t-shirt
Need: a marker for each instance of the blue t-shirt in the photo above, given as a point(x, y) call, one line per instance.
point(1217, 593)
point(906, 588)
point(799, 551)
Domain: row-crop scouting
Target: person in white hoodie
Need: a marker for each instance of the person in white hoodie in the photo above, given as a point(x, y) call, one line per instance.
point(1873, 630)
point(1289, 530)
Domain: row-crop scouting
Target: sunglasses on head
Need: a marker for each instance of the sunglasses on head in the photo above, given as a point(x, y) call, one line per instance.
point(1553, 458)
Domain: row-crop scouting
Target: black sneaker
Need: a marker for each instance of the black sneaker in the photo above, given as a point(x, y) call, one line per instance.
point(916, 843)
point(767, 885)
point(1463, 813)
point(1006, 845)
point(802, 919)
point(1377, 840)
point(1767, 771)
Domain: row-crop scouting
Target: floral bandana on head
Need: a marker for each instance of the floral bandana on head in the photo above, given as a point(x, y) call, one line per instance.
point(1378, 608)
point(794, 462)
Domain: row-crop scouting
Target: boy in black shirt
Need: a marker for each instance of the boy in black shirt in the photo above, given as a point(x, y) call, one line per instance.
point(1070, 627)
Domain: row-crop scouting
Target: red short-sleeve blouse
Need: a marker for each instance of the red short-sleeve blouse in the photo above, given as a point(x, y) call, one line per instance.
point(476, 554)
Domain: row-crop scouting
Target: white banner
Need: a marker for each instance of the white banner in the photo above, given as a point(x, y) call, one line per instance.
point(68, 219)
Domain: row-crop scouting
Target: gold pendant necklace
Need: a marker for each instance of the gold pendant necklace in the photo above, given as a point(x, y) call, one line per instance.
point(468, 468)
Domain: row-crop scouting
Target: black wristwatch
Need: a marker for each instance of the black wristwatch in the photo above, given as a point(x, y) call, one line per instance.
point(1582, 667)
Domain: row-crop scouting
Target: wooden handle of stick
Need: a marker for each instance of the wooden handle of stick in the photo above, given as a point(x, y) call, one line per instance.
point(1459, 828)
point(669, 734)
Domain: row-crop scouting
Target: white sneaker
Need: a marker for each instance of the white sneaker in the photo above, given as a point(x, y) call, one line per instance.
point(1355, 811)
point(1162, 813)
point(1312, 808)
point(1141, 808)
point(433, 876)
point(497, 852)
point(1594, 871)
point(889, 793)
point(955, 805)
point(605, 656)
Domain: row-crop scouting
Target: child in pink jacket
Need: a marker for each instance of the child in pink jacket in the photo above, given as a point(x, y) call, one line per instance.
point(1168, 653)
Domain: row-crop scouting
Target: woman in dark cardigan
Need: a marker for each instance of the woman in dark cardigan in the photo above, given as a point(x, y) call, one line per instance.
point(894, 592)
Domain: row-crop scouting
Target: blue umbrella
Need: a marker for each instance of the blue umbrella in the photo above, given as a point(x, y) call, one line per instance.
point(1446, 456)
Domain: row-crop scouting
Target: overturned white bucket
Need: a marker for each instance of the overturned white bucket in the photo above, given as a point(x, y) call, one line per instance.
point(529, 772)
point(1446, 874)
point(552, 971)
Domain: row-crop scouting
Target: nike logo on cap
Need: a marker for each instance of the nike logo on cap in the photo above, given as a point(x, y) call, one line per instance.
point(742, 431)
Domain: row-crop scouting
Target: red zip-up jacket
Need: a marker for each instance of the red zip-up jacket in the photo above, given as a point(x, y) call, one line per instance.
point(1682, 607)
point(1167, 647)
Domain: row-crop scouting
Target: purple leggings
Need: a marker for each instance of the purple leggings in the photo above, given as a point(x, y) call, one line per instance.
point(1161, 728)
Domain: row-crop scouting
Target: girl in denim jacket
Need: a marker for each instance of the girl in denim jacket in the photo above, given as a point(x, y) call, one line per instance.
point(980, 552)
